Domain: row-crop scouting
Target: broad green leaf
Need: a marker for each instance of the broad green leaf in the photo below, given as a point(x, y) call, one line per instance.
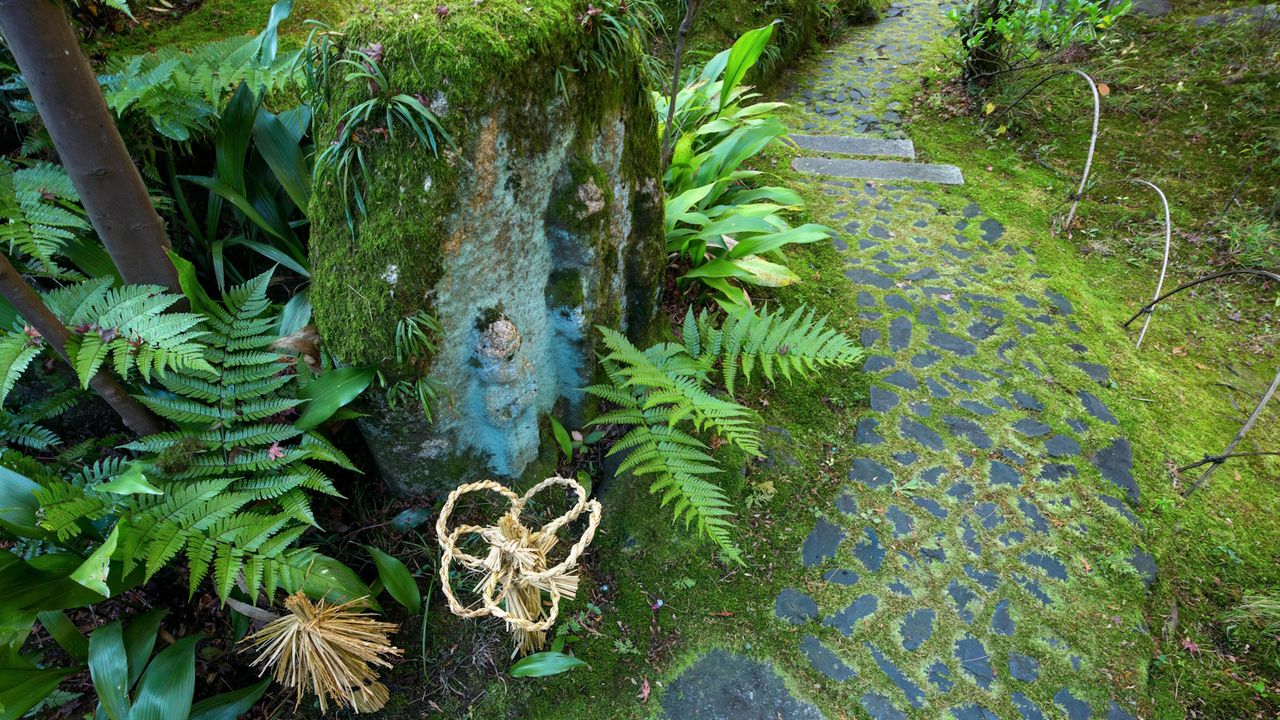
point(140, 639)
point(296, 313)
point(229, 705)
point(562, 438)
point(22, 688)
point(164, 692)
point(95, 569)
point(271, 252)
point(765, 273)
point(742, 56)
point(331, 391)
point(681, 203)
point(268, 41)
point(397, 579)
point(43, 583)
point(231, 143)
point(545, 663)
point(15, 628)
point(109, 670)
point(18, 505)
point(190, 284)
point(236, 197)
point(332, 581)
point(65, 633)
point(130, 482)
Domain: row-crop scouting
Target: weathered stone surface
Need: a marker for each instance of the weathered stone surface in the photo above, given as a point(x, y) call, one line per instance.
point(823, 660)
point(821, 543)
point(518, 242)
point(795, 607)
point(881, 170)
point(727, 686)
point(855, 145)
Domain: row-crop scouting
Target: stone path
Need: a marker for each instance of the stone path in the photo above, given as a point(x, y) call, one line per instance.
point(983, 560)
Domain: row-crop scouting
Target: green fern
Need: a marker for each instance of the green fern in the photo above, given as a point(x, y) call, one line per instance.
point(660, 391)
point(41, 215)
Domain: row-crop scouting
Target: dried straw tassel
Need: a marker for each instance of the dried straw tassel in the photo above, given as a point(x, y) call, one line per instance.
point(327, 650)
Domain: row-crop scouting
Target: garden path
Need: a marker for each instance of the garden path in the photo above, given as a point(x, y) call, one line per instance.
point(983, 560)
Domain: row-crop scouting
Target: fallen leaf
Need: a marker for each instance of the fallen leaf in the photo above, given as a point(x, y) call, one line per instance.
point(643, 695)
point(1190, 646)
point(721, 613)
point(1103, 89)
point(991, 107)
point(1179, 351)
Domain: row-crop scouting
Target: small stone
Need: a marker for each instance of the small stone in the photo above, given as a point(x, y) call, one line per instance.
point(920, 434)
point(870, 473)
point(825, 661)
point(902, 379)
point(975, 660)
point(1002, 474)
point(1075, 708)
point(845, 620)
point(977, 408)
point(841, 576)
point(968, 429)
point(897, 302)
point(870, 552)
point(883, 400)
point(988, 580)
point(1098, 373)
point(1145, 565)
point(928, 316)
point(1096, 407)
point(880, 707)
point(714, 686)
point(924, 359)
point(1053, 472)
point(1025, 707)
point(1031, 427)
point(866, 432)
point(989, 515)
point(1027, 402)
point(916, 628)
point(992, 230)
point(971, 711)
point(795, 607)
point(961, 596)
point(866, 299)
point(1052, 566)
point(899, 333)
point(1036, 518)
point(821, 543)
point(931, 506)
point(866, 277)
point(1001, 622)
point(876, 363)
point(1115, 462)
point(914, 694)
point(1061, 446)
point(1115, 712)
point(951, 343)
point(902, 522)
point(1023, 667)
point(868, 337)
point(939, 676)
point(1058, 301)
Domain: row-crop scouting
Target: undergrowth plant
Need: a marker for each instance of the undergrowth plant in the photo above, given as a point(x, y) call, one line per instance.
point(729, 230)
point(670, 394)
point(1001, 35)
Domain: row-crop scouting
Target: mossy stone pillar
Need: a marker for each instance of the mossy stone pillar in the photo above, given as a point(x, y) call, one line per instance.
point(540, 221)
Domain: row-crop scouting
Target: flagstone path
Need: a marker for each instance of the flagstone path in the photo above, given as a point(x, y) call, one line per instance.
point(984, 560)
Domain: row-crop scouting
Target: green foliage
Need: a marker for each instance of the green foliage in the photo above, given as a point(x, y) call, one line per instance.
point(617, 29)
point(666, 395)
point(1000, 35)
point(180, 90)
point(42, 215)
point(543, 664)
point(416, 344)
point(729, 231)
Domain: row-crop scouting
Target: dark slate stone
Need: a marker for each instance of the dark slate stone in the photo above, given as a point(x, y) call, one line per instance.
point(939, 676)
point(795, 607)
point(1061, 446)
point(970, 374)
point(870, 473)
point(936, 388)
point(1036, 518)
point(1024, 329)
point(923, 274)
point(1026, 302)
point(970, 537)
point(903, 524)
point(1032, 368)
point(977, 408)
point(1115, 712)
point(823, 660)
point(1026, 401)
point(931, 506)
point(866, 433)
point(1118, 505)
point(1001, 621)
point(1012, 456)
point(899, 333)
point(897, 302)
point(906, 458)
point(1115, 462)
point(971, 711)
point(951, 343)
point(866, 277)
point(916, 628)
point(898, 587)
point(1013, 537)
point(1096, 407)
point(1145, 565)
point(920, 434)
point(968, 429)
point(928, 316)
point(845, 620)
point(1033, 587)
point(880, 707)
point(922, 409)
point(1004, 349)
point(840, 576)
point(822, 543)
point(961, 491)
point(925, 359)
point(1077, 425)
point(989, 515)
point(1058, 301)
point(914, 694)
point(870, 552)
point(975, 660)
point(1052, 566)
point(1002, 474)
point(1023, 667)
point(1098, 373)
point(992, 230)
point(1031, 427)
point(1053, 472)
point(988, 580)
point(1075, 708)
point(902, 379)
point(868, 337)
point(960, 385)
point(876, 363)
point(878, 232)
point(961, 596)
point(1027, 710)
point(971, 211)
point(866, 299)
point(980, 331)
point(883, 400)
point(726, 686)
point(957, 252)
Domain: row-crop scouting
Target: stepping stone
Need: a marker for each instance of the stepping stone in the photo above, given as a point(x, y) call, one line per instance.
point(870, 552)
point(968, 429)
point(1002, 474)
point(1060, 302)
point(845, 620)
point(841, 576)
point(1061, 446)
point(921, 434)
point(973, 712)
point(1075, 708)
point(974, 660)
point(1115, 462)
point(1151, 8)
point(1023, 667)
point(1098, 373)
point(883, 400)
point(951, 343)
point(961, 596)
point(880, 707)
point(939, 676)
point(916, 628)
point(1027, 709)
point(1096, 407)
point(914, 694)
point(1031, 428)
point(881, 170)
point(988, 580)
point(822, 543)
point(822, 660)
point(870, 473)
point(795, 607)
point(1145, 565)
point(1001, 622)
point(726, 686)
point(875, 147)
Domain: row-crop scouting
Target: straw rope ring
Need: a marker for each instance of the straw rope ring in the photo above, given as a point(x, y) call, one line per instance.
point(515, 572)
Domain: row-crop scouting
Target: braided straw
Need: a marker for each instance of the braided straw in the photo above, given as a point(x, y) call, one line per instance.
point(515, 572)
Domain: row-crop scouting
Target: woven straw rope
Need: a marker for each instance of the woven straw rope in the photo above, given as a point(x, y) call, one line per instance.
point(515, 569)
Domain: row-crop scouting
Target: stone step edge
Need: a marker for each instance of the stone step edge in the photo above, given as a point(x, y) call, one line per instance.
point(880, 170)
point(854, 145)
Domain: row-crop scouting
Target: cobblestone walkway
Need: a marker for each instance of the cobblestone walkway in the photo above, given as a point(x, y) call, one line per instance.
point(983, 560)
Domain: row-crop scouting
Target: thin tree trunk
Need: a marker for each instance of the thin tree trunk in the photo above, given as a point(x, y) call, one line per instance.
point(32, 309)
point(71, 104)
point(686, 25)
